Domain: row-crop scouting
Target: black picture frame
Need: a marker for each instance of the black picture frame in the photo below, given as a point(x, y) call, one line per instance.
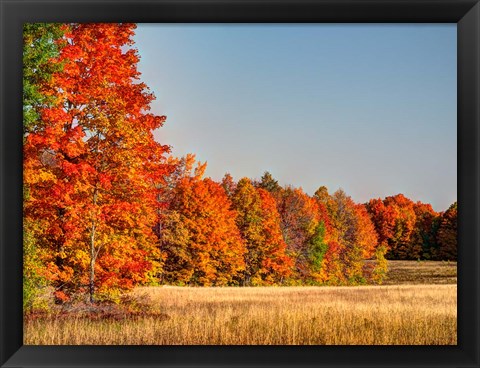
point(13, 13)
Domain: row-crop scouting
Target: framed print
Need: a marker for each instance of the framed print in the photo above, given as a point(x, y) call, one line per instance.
point(250, 184)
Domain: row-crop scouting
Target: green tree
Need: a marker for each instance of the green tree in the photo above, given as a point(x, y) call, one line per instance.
point(317, 249)
point(41, 43)
point(268, 183)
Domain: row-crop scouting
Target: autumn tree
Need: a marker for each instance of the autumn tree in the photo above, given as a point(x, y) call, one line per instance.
point(367, 240)
point(170, 229)
point(353, 237)
point(411, 230)
point(174, 243)
point(184, 167)
point(402, 246)
point(395, 219)
point(322, 196)
point(276, 263)
point(247, 204)
point(93, 165)
point(181, 167)
point(424, 236)
point(383, 218)
point(366, 237)
point(447, 234)
point(199, 237)
point(299, 221)
point(345, 222)
point(259, 224)
point(331, 271)
point(229, 184)
point(380, 269)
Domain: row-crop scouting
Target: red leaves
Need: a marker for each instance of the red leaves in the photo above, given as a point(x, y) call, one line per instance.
point(199, 234)
point(404, 225)
point(105, 180)
point(104, 162)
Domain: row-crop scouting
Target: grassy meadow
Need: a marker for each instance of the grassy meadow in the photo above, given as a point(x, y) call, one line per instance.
point(421, 272)
point(417, 305)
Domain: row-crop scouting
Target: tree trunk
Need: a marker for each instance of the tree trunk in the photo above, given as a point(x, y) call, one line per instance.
point(92, 253)
point(92, 263)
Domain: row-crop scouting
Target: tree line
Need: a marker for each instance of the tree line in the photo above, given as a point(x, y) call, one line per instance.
point(106, 207)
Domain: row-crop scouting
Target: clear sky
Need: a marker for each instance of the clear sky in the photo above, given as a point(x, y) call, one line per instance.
point(367, 108)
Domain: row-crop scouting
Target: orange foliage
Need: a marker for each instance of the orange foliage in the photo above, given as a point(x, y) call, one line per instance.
point(366, 236)
point(259, 225)
point(394, 219)
point(92, 166)
point(211, 248)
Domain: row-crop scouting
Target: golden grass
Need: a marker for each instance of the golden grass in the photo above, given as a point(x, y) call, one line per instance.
point(421, 272)
point(364, 315)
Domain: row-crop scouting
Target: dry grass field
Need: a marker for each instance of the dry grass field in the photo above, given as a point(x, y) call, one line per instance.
point(423, 314)
point(421, 272)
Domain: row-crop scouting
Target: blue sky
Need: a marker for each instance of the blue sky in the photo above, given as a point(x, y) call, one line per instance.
point(367, 108)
